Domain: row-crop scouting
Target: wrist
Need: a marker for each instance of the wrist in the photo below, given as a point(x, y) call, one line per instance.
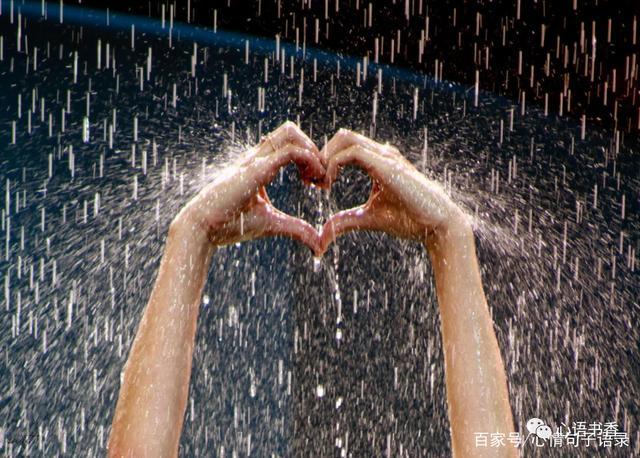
point(457, 225)
point(455, 231)
point(186, 228)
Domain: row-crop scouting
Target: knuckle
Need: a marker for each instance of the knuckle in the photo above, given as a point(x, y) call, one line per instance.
point(390, 149)
point(286, 154)
point(289, 127)
point(294, 154)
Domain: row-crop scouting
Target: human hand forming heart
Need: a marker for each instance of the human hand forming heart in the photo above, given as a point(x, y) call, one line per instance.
point(235, 207)
point(403, 202)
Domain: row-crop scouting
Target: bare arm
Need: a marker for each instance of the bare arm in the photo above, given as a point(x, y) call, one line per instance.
point(150, 411)
point(404, 203)
point(475, 376)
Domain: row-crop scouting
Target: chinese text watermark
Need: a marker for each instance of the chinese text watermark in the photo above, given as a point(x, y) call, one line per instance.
point(539, 434)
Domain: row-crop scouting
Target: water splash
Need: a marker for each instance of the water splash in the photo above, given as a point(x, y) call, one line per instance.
point(98, 155)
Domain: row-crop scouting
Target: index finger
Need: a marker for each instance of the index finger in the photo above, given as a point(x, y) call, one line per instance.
point(289, 132)
point(345, 138)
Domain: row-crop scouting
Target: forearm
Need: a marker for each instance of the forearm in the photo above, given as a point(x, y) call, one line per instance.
point(475, 376)
point(150, 409)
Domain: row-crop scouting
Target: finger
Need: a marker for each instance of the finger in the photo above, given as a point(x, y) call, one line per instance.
point(279, 223)
point(287, 133)
point(372, 163)
point(290, 132)
point(343, 139)
point(358, 218)
point(308, 164)
point(264, 220)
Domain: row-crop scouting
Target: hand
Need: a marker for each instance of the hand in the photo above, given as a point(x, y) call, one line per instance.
point(235, 206)
point(403, 202)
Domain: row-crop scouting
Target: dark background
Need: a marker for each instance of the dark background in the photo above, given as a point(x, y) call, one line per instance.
point(460, 46)
point(568, 332)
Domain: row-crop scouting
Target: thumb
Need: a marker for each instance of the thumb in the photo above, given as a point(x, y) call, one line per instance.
point(279, 223)
point(356, 218)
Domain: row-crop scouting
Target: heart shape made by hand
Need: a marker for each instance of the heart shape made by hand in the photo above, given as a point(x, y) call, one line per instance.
point(402, 202)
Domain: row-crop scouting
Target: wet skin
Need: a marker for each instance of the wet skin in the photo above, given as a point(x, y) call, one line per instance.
point(235, 207)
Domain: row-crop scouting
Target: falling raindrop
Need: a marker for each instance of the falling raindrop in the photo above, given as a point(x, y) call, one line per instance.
point(517, 141)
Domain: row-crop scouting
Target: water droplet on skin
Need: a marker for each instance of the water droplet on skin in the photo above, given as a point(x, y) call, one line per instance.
point(519, 202)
